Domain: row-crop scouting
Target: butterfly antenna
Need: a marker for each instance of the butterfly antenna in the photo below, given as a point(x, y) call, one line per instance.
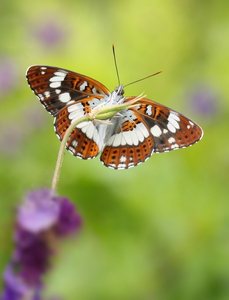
point(115, 62)
point(142, 78)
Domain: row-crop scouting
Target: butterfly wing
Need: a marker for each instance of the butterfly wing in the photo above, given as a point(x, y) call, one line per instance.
point(57, 87)
point(85, 141)
point(137, 133)
point(129, 144)
point(147, 128)
point(170, 129)
point(67, 96)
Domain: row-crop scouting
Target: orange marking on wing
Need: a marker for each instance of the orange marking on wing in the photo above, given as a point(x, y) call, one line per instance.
point(62, 122)
point(80, 145)
point(124, 157)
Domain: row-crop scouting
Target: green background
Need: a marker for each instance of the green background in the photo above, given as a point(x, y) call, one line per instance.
point(160, 230)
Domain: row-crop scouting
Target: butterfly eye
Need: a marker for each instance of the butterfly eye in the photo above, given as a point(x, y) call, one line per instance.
point(120, 90)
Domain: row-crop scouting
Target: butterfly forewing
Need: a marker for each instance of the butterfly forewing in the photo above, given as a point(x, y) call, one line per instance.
point(57, 87)
point(68, 96)
point(170, 129)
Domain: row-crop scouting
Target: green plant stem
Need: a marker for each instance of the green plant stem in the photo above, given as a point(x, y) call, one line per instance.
point(60, 156)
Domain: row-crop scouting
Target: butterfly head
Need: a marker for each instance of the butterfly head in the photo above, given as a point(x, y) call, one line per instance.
point(119, 90)
point(116, 97)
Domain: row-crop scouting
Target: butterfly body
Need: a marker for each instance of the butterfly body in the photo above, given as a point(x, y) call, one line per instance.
point(125, 140)
point(113, 98)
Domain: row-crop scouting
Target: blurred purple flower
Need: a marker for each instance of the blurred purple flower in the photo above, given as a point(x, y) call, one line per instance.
point(204, 100)
point(42, 220)
point(15, 287)
point(8, 78)
point(50, 33)
point(31, 256)
point(39, 211)
point(68, 219)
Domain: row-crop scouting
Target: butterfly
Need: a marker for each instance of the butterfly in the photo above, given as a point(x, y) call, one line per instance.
point(127, 139)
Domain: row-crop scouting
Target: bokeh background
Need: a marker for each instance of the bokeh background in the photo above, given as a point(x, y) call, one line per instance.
point(157, 231)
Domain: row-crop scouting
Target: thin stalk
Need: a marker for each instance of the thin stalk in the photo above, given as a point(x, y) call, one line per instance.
point(61, 152)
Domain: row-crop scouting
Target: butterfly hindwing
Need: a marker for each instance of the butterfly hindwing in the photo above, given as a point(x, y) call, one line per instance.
point(72, 112)
point(80, 145)
point(85, 140)
point(129, 144)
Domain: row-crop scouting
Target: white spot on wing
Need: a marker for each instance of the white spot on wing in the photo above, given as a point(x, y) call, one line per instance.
point(174, 116)
point(41, 97)
point(121, 166)
point(112, 166)
point(117, 140)
point(174, 146)
point(156, 131)
point(57, 78)
point(47, 94)
point(55, 84)
point(123, 159)
point(134, 138)
point(76, 111)
point(65, 97)
point(94, 90)
point(131, 165)
point(173, 119)
point(61, 73)
point(171, 140)
point(76, 115)
point(73, 150)
point(149, 110)
point(123, 141)
point(171, 127)
point(139, 134)
point(74, 143)
point(83, 86)
point(143, 129)
point(75, 107)
point(127, 137)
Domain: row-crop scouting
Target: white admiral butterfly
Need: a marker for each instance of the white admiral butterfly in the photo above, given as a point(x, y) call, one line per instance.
point(132, 136)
